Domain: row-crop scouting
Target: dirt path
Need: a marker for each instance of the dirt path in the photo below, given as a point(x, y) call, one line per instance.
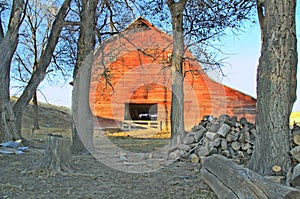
point(93, 179)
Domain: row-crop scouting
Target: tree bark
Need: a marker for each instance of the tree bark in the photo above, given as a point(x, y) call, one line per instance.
point(8, 45)
point(36, 112)
point(177, 106)
point(43, 63)
point(276, 86)
point(83, 123)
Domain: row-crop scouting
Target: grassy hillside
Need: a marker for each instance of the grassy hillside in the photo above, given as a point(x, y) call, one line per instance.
point(52, 119)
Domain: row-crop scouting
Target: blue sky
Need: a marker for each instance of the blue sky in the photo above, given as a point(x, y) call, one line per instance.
point(242, 54)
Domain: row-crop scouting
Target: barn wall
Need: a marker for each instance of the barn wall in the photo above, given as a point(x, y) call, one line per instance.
point(137, 71)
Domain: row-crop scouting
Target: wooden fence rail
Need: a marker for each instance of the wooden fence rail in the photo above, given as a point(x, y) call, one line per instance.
point(137, 124)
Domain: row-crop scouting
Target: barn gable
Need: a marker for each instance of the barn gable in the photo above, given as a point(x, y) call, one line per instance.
point(131, 81)
point(139, 24)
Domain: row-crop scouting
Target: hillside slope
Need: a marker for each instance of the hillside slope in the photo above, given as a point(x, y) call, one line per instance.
point(52, 119)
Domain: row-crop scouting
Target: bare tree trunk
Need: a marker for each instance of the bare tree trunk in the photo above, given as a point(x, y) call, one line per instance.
point(36, 112)
point(40, 72)
point(83, 124)
point(8, 45)
point(177, 108)
point(276, 86)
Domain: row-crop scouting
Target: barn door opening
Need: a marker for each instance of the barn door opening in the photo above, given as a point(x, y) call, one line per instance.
point(136, 111)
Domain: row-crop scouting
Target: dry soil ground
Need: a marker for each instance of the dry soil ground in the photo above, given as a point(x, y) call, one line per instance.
point(91, 178)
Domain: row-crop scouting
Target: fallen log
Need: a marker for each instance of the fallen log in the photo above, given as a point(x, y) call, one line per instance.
point(296, 153)
point(295, 180)
point(230, 180)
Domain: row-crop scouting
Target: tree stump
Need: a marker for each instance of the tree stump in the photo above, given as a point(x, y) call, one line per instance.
point(57, 156)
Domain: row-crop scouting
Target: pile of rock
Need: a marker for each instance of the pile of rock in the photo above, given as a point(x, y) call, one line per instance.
point(234, 139)
point(224, 135)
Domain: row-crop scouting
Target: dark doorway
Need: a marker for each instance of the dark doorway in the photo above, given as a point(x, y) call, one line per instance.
point(135, 111)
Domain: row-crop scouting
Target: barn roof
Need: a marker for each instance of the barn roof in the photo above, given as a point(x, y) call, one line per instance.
point(139, 22)
point(138, 70)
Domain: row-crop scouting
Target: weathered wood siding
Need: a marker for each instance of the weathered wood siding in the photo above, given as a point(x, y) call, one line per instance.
point(133, 67)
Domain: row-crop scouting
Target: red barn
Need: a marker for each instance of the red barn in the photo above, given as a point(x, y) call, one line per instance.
point(131, 83)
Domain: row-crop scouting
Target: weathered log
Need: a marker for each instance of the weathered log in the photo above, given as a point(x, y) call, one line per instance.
point(189, 139)
point(278, 179)
point(229, 137)
point(242, 137)
point(247, 137)
point(230, 180)
point(214, 127)
point(295, 180)
point(296, 153)
point(232, 153)
point(238, 124)
point(223, 117)
point(57, 157)
point(296, 139)
point(276, 169)
point(196, 128)
point(202, 150)
point(246, 146)
point(215, 143)
point(194, 158)
point(211, 136)
point(231, 121)
point(213, 150)
point(253, 131)
point(226, 153)
point(249, 151)
point(245, 129)
point(224, 145)
point(237, 129)
point(244, 121)
point(207, 117)
point(232, 136)
point(240, 155)
point(198, 135)
point(223, 130)
point(236, 146)
point(175, 155)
